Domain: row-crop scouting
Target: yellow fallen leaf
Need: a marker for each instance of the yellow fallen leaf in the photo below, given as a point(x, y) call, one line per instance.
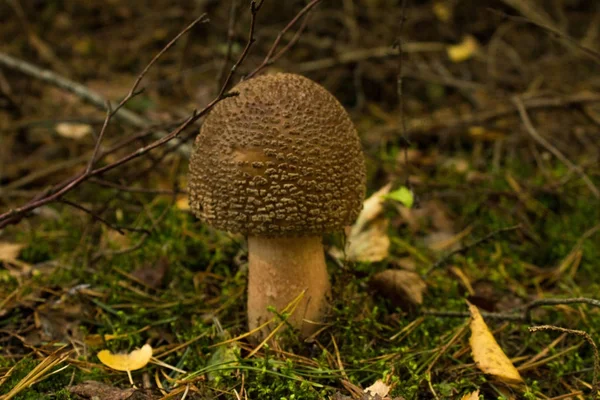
point(464, 50)
point(471, 396)
point(443, 11)
point(182, 203)
point(487, 354)
point(126, 362)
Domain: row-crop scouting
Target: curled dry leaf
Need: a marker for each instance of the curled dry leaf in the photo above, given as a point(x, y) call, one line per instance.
point(487, 354)
point(378, 389)
point(404, 288)
point(368, 240)
point(126, 362)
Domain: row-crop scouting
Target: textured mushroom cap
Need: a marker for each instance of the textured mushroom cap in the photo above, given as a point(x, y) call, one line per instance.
point(280, 159)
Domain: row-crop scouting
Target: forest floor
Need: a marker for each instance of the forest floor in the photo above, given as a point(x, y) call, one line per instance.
point(483, 177)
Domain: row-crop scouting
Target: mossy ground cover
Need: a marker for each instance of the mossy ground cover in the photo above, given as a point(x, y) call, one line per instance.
point(201, 278)
point(77, 286)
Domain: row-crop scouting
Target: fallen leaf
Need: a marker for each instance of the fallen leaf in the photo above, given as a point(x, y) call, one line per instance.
point(446, 241)
point(137, 359)
point(372, 207)
point(464, 50)
point(431, 215)
point(403, 196)
point(441, 241)
point(443, 11)
point(100, 391)
point(182, 203)
point(404, 288)
point(370, 245)
point(378, 389)
point(471, 396)
point(367, 240)
point(152, 276)
point(71, 130)
point(463, 278)
point(10, 251)
point(487, 354)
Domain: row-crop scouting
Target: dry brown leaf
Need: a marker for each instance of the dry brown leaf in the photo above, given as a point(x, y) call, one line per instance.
point(10, 251)
point(152, 275)
point(431, 215)
point(471, 396)
point(372, 208)
point(404, 288)
point(487, 354)
point(378, 389)
point(101, 391)
point(74, 131)
point(367, 240)
point(370, 245)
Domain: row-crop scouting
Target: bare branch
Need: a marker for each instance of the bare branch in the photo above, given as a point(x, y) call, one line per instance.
point(586, 336)
point(548, 146)
point(269, 59)
point(467, 247)
point(15, 215)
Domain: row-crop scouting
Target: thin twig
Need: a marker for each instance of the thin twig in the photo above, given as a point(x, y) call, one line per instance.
point(77, 89)
point(586, 336)
point(94, 156)
point(430, 126)
point(551, 148)
point(469, 246)
point(124, 188)
point(254, 8)
point(93, 97)
point(269, 59)
point(201, 19)
point(230, 37)
point(464, 314)
point(552, 302)
point(525, 312)
point(15, 215)
point(118, 228)
point(399, 44)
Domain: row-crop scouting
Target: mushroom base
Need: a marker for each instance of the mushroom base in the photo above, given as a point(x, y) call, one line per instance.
point(280, 269)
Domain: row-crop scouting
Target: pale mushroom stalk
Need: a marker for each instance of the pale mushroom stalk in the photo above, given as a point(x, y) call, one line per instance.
point(280, 269)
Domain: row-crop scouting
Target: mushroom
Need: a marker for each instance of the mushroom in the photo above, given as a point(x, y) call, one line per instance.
point(281, 163)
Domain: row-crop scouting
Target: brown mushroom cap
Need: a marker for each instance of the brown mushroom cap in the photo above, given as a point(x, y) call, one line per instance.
point(280, 159)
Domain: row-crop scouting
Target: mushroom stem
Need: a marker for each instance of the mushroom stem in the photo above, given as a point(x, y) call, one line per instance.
point(279, 270)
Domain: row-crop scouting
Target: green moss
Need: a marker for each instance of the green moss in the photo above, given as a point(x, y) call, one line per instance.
point(204, 283)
